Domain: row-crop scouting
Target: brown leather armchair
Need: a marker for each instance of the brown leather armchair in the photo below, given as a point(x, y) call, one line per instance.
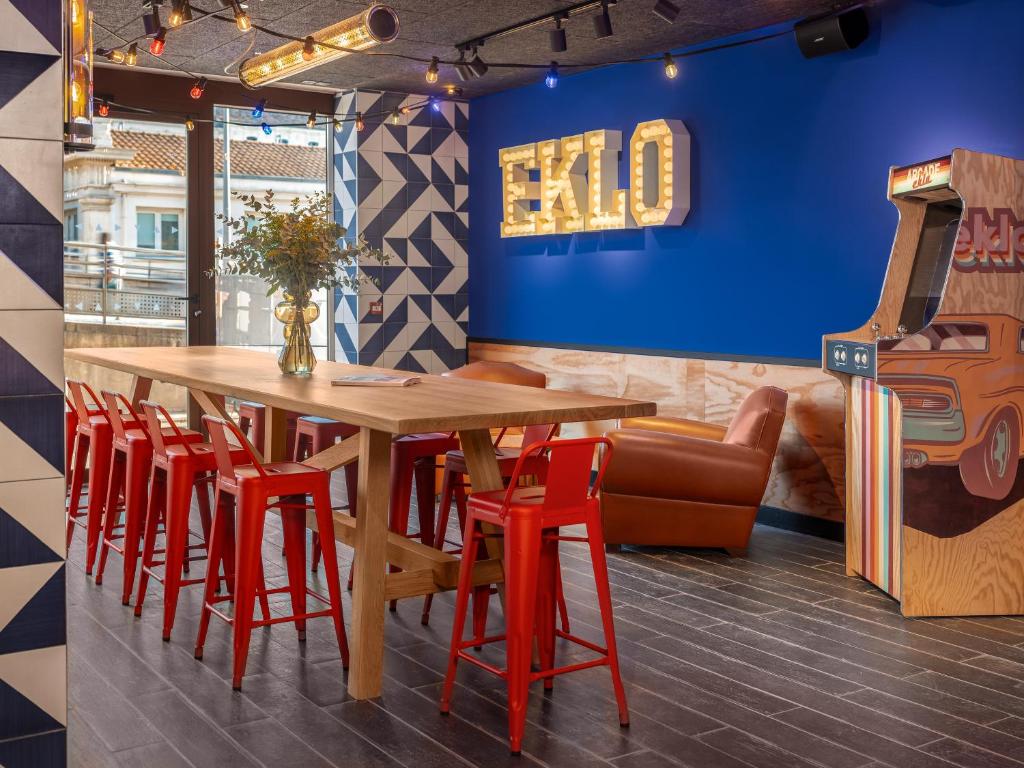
point(677, 482)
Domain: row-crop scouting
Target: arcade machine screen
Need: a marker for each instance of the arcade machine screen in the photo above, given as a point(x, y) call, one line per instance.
point(931, 264)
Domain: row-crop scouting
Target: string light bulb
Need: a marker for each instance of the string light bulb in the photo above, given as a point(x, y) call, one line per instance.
point(405, 110)
point(311, 120)
point(189, 124)
point(308, 48)
point(178, 12)
point(103, 110)
point(131, 58)
point(242, 20)
point(432, 71)
point(396, 117)
point(116, 55)
point(359, 122)
point(197, 89)
point(435, 104)
point(671, 69)
point(259, 109)
point(337, 125)
point(265, 127)
point(551, 80)
point(453, 90)
point(159, 42)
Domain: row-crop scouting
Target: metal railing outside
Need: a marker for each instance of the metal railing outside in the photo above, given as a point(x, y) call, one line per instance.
point(111, 282)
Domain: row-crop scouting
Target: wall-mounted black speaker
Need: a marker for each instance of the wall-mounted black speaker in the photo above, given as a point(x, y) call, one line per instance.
point(831, 34)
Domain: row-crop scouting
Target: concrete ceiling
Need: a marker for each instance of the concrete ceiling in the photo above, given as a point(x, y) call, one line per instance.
point(433, 27)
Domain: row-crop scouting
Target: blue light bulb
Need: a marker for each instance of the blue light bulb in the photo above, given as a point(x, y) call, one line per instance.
point(552, 77)
point(267, 129)
point(436, 104)
point(257, 111)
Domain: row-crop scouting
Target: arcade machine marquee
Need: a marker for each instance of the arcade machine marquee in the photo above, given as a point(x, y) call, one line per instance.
point(934, 385)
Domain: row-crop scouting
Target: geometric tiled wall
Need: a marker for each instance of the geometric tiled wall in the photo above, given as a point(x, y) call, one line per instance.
point(33, 698)
point(405, 189)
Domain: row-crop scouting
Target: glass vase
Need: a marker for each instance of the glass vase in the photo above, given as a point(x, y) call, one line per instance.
point(296, 357)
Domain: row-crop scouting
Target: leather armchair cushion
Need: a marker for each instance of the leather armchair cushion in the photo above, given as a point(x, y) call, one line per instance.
point(672, 466)
point(673, 426)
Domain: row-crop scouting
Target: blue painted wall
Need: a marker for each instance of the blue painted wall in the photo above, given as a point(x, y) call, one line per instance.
point(789, 233)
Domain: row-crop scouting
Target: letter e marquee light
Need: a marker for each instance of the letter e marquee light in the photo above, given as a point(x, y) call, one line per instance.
point(572, 184)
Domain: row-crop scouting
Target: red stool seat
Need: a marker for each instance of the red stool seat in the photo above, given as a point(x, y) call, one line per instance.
point(529, 520)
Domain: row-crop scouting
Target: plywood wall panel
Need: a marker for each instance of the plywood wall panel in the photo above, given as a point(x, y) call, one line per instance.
point(808, 474)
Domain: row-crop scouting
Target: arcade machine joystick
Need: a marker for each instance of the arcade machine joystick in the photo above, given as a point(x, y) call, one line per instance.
point(934, 385)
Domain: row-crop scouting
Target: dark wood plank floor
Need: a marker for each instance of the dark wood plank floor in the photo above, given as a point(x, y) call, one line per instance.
point(773, 660)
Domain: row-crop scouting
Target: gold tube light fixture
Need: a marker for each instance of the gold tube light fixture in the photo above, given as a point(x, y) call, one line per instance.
point(377, 24)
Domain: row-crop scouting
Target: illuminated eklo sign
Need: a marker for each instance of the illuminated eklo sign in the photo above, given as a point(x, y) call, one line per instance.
point(572, 184)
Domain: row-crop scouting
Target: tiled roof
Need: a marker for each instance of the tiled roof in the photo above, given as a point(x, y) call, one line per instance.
point(248, 158)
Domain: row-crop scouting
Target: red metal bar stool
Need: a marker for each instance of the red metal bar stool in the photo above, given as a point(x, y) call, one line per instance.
point(530, 519)
point(312, 435)
point(254, 488)
point(130, 466)
point(252, 420)
point(93, 440)
point(70, 438)
point(177, 468)
point(453, 485)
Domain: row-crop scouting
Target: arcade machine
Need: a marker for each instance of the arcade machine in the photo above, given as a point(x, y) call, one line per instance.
point(934, 385)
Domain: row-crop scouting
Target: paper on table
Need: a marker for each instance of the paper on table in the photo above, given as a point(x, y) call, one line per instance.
point(375, 380)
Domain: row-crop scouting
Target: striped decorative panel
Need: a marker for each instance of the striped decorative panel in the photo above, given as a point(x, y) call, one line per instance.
point(33, 658)
point(876, 472)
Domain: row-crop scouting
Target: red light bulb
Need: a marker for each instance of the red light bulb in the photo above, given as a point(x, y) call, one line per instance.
point(157, 45)
point(103, 110)
point(196, 92)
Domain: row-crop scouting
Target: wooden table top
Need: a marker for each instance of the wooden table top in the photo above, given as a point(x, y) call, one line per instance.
point(437, 404)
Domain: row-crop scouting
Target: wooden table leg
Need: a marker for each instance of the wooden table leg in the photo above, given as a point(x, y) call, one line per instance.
point(484, 475)
point(275, 440)
point(141, 387)
point(368, 589)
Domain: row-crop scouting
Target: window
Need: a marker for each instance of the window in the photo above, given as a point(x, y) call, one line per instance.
point(158, 230)
point(71, 225)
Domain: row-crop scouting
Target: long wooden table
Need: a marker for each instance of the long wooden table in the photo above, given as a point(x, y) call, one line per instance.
point(437, 404)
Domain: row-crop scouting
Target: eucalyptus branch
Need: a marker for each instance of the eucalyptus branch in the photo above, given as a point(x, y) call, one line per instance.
point(298, 249)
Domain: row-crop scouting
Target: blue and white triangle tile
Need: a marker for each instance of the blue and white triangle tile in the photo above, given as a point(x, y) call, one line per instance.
point(30, 96)
point(31, 26)
point(419, 307)
point(28, 193)
point(418, 196)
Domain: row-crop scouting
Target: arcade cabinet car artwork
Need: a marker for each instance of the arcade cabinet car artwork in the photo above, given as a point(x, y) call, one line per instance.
point(934, 385)
point(960, 407)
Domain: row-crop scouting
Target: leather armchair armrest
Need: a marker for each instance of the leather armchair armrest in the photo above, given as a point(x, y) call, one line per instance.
point(668, 466)
point(674, 426)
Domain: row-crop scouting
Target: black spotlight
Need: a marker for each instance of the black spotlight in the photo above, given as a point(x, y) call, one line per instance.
point(151, 21)
point(478, 66)
point(462, 68)
point(603, 23)
point(557, 37)
point(665, 10)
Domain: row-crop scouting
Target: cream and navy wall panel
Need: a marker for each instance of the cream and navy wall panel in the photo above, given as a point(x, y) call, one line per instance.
point(405, 189)
point(33, 699)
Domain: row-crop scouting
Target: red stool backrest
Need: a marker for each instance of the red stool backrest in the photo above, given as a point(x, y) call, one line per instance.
point(114, 401)
point(568, 482)
point(222, 447)
point(78, 390)
point(153, 412)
